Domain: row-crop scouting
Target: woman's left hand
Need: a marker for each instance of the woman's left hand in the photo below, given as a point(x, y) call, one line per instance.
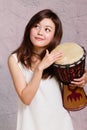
point(80, 82)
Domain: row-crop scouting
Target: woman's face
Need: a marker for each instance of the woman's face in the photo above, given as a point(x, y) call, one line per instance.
point(42, 33)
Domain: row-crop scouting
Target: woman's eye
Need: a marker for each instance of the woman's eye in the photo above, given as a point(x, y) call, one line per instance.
point(47, 30)
point(36, 26)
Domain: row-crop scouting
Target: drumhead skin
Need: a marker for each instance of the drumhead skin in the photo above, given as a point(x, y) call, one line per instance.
point(72, 52)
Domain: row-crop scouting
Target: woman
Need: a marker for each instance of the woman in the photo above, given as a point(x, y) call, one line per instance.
point(40, 103)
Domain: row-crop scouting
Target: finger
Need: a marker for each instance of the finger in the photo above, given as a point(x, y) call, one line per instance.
point(79, 84)
point(79, 79)
point(57, 53)
point(76, 83)
point(57, 56)
point(47, 52)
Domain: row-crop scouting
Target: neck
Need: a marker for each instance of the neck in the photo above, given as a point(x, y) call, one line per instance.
point(35, 53)
point(38, 50)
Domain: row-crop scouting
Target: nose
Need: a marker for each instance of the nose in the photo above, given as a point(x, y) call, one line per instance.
point(40, 31)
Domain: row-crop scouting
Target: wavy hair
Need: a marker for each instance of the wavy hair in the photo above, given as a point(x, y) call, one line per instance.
point(25, 50)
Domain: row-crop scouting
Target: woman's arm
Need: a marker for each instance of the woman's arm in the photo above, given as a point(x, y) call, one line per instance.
point(27, 91)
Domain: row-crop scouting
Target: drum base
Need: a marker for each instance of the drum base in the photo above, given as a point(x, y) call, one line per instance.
point(74, 98)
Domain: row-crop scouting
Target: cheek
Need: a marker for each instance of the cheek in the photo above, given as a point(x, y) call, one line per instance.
point(32, 32)
point(49, 37)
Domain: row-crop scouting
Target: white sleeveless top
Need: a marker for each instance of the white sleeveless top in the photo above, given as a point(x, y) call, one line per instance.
point(46, 111)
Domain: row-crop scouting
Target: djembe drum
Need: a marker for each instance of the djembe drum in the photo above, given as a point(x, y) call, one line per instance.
point(71, 66)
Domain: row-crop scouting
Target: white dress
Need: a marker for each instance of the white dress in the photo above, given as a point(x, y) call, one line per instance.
point(46, 111)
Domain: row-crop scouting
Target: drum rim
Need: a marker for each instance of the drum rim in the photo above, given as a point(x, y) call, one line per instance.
point(74, 63)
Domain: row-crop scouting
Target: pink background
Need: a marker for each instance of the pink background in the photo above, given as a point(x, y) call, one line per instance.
point(14, 15)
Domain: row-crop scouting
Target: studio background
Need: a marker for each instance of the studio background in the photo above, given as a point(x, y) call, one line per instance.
point(14, 15)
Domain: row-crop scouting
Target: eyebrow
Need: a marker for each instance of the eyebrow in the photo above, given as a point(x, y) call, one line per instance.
point(49, 26)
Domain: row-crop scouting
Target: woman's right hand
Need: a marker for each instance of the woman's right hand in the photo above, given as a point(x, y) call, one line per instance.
point(49, 59)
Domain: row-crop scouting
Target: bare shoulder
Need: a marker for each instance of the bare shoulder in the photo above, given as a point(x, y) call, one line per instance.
point(12, 63)
point(11, 60)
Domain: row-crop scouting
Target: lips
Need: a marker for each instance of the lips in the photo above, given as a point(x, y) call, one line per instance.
point(39, 38)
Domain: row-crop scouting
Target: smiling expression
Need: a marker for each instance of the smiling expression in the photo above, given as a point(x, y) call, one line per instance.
point(42, 33)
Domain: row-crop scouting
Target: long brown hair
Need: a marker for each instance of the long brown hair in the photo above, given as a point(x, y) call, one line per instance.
point(24, 52)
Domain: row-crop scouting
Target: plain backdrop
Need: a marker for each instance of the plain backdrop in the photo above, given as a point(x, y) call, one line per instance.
point(14, 15)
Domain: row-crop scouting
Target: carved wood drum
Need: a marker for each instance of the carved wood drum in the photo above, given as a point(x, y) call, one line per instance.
point(71, 66)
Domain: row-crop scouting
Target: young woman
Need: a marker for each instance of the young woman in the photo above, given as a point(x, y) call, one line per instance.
point(40, 103)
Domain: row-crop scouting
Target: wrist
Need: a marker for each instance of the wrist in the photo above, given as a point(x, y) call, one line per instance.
point(39, 69)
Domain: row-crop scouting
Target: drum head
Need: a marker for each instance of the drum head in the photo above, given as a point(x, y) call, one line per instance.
point(72, 52)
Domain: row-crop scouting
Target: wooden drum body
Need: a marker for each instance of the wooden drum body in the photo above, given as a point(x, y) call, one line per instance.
point(71, 66)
